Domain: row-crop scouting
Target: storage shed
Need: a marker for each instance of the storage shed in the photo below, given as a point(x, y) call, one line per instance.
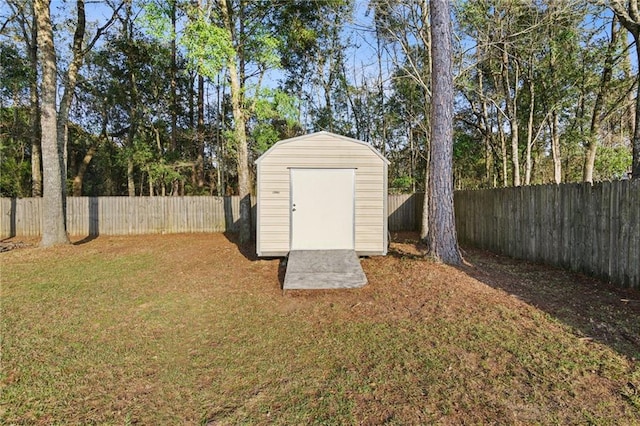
point(321, 191)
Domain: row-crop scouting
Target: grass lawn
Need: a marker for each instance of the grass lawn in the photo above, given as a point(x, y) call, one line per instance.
point(185, 329)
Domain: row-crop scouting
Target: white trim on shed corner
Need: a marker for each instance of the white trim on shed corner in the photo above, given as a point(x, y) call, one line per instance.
point(321, 133)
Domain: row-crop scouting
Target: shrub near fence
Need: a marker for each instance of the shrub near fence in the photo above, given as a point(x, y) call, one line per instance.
point(584, 228)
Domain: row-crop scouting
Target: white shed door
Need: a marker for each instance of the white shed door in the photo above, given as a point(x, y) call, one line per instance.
point(322, 209)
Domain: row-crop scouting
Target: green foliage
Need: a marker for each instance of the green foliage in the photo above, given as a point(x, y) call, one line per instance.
point(15, 150)
point(305, 29)
point(106, 172)
point(612, 163)
point(156, 18)
point(124, 91)
point(208, 46)
point(275, 118)
point(15, 72)
point(402, 184)
point(265, 135)
point(468, 161)
point(275, 103)
point(15, 175)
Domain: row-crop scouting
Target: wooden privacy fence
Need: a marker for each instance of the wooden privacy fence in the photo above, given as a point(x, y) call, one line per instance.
point(584, 228)
point(154, 215)
point(405, 211)
point(125, 215)
point(592, 229)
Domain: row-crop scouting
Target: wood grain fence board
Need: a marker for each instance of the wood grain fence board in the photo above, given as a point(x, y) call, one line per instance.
point(588, 235)
point(596, 226)
point(576, 228)
point(617, 241)
point(404, 212)
point(587, 231)
point(7, 216)
point(573, 246)
point(565, 209)
point(621, 238)
point(547, 225)
point(613, 229)
point(629, 212)
point(559, 222)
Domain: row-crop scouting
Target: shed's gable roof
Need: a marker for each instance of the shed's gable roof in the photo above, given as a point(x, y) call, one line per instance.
point(322, 133)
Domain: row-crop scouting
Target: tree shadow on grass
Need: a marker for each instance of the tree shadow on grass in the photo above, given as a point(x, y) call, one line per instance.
point(593, 309)
point(93, 213)
point(85, 240)
point(248, 250)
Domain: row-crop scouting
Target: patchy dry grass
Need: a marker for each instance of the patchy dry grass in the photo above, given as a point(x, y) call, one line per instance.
point(186, 329)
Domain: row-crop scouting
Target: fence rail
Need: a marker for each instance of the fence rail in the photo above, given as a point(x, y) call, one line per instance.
point(591, 229)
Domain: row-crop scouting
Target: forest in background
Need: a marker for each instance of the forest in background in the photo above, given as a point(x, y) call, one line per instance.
point(546, 91)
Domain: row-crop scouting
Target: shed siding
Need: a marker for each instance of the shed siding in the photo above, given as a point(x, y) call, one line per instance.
point(321, 151)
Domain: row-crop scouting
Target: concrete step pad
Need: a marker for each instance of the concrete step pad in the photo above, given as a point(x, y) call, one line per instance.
point(323, 269)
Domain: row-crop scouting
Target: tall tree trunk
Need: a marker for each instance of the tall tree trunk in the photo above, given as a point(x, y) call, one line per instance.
point(630, 114)
point(635, 141)
point(36, 149)
point(131, 184)
point(441, 238)
point(555, 146)
point(511, 105)
point(175, 187)
point(78, 179)
point(134, 98)
point(484, 125)
point(500, 126)
point(515, 154)
point(78, 53)
point(530, 138)
point(428, 105)
point(382, 133)
point(34, 112)
point(598, 106)
point(220, 143)
point(174, 83)
point(200, 134)
point(54, 192)
point(629, 17)
point(240, 132)
point(503, 151)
